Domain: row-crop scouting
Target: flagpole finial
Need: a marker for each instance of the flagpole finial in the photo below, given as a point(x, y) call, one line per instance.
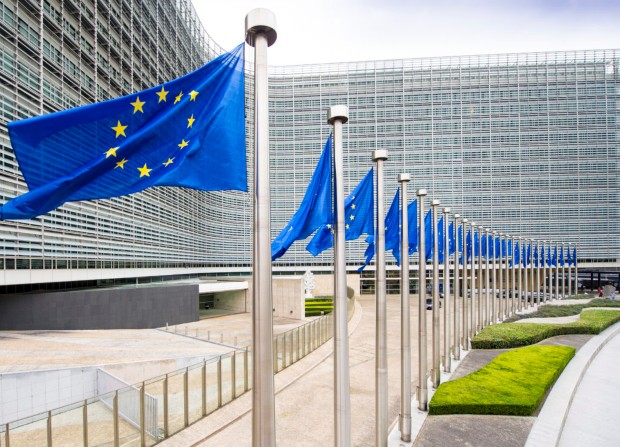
point(260, 21)
point(446, 209)
point(435, 202)
point(465, 220)
point(379, 154)
point(457, 216)
point(340, 113)
point(422, 192)
point(404, 177)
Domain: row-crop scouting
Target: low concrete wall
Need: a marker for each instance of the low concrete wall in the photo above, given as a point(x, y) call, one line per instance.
point(288, 297)
point(29, 393)
point(233, 300)
point(113, 308)
point(325, 284)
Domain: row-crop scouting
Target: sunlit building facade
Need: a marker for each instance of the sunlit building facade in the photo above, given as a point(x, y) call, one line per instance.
point(523, 143)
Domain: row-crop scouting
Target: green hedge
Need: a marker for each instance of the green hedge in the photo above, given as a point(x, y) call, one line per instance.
point(512, 335)
point(514, 383)
point(314, 306)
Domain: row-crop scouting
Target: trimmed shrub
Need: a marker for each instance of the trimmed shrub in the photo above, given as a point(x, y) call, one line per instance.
point(314, 306)
point(514, 383)
point(512, 335)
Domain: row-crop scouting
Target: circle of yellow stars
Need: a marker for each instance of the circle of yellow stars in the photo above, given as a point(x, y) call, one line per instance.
point(138, 106)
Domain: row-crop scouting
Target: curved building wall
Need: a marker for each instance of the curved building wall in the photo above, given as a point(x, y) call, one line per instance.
point(526, 144)
point(58, 54)
point(522, 143)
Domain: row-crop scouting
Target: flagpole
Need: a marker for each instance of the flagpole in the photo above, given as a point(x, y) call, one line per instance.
point(494, 290)
point(529, 270)
point(337, 116)
point(576, 270)
point(570, 272)
point(502, 288)
point(557, 271)
point(436, 369)
point(381, 385)
point(405, 315)
point(422, 356)
point(260, 25)
point(447, 361)
point(547, 284)
point(457, 291)
point(563, 272)
point(487, 280)
point(465, 315)
point(538, 273)
point(479, 317)
point(473, 308)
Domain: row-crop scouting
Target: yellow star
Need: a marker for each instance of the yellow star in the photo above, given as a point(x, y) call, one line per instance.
point(144, 171)
point(170, 160)
point(353, 206)
point(182, 144)
point(192, 95)
point(111, 151)
point(121, 164)
point(190, 121)
point(162, 95)
point(351, 217)
point(137, 106)
point(119, 129)
point(346, 226)
point(329, 226)
point(178, 98)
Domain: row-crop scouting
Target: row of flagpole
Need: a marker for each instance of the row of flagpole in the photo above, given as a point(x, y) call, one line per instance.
point(468, 319)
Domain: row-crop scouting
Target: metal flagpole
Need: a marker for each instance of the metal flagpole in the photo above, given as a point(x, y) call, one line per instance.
point(457, 291)
point(563, 272)
point(260, 25)
point(570, 272)
point(526, 276)
point(538, 291)
point(557, 271)
point(546, 275)
point(435, 370)
point(405, 316)
point(487, 280)
point(422, 356)
point(447, 362)
point(518, 278)
point(465, 314)
point(480, 317)
point(530, 300)
point(500, 282)
point(381, 384)
point(494, 290)
point(474, 285)
point(576, 271)
point(337, 116)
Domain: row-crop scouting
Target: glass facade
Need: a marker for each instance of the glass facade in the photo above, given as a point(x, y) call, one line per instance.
point(523, 143)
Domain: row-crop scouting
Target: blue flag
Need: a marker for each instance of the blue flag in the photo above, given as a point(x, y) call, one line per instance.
point(189, 132)
point(516, 256)
point(359, 218)
point(535, 255)
point(483, 243)
point(549, 255)
point(460, 242)
point(561, 258)
point(498, 247)
point(440, 239)
point(509, 247)
point(574, 257)
point(392, 227)
point(554, 258)
point(315, 208)
point(468, 246)
point(527, 255)
point(428, 235)
point(451, 238)
point(476, 243)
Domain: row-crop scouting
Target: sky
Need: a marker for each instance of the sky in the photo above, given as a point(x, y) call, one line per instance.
point(320, 31)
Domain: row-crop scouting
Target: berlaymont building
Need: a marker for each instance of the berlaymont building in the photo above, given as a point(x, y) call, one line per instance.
point(527, 144)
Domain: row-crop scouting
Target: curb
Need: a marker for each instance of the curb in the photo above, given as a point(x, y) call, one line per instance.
point(547, 429)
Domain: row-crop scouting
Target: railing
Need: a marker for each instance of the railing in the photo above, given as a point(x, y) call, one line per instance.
point(150, 411)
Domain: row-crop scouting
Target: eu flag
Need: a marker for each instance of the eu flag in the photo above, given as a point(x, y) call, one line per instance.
point(392, 227)
point(561, 259)
point(451, 238)
point(483, 244)
point(359, 219)
point(574, 257)
point(428, 234)
point(468, 246)
point(535, 256)
point(315, 208)
point(440, 239)
point(476, 251)
point(516, 255)
point(189, 132)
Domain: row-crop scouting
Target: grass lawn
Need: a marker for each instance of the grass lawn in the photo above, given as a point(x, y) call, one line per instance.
point(512, 335)
point(548, 310)
point(514, 383)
